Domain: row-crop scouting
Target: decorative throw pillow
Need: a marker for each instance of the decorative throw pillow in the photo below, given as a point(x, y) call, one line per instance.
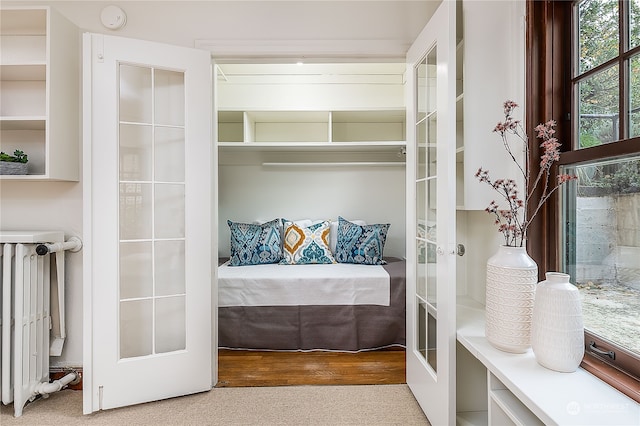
point(363, 244)
point(305, 245)
point(253, 244)
point(333, 236)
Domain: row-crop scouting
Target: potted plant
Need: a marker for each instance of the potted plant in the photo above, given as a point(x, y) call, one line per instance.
point(15, 164)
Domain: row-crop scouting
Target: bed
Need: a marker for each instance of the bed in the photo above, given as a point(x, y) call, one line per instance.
point(369, 314)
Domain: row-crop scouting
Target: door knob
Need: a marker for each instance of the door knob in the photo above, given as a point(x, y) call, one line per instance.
point(460, 250)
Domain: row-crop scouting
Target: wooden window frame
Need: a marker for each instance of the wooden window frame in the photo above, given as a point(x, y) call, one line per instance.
point(549, 95)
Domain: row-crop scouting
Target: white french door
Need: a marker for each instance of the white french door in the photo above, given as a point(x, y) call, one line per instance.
point(149, 243)
point(431, 198)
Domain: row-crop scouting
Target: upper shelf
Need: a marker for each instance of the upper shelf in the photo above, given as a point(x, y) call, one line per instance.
point(363, 129)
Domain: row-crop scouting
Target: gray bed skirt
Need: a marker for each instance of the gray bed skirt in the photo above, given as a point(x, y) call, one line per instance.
point(315, 327)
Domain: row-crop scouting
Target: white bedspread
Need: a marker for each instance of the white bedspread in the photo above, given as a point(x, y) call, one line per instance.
point(286, 285)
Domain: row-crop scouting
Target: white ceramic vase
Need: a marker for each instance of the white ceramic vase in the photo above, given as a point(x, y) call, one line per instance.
point(557, 334)
point(511, 284)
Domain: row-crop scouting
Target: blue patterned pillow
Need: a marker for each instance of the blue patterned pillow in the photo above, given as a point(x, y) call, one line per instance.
point(305, 245)
point(253, 244)
point(361, 244)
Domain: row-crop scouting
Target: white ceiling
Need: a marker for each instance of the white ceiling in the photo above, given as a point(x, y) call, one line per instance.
point(321, 28)
point(353, 38)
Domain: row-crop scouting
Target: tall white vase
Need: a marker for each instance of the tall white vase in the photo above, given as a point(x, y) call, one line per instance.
point(557, 335)
point(511, 284)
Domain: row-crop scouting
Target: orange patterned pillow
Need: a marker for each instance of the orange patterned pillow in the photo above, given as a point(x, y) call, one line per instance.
point(306, 245)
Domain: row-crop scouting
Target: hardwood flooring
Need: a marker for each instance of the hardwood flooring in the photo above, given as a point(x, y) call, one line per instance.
point(263, 368)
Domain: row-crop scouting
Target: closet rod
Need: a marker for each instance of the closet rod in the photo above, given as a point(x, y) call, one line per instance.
point(339, 164)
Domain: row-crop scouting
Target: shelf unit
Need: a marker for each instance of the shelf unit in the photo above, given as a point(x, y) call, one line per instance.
point(368, 129)
point(39, 92)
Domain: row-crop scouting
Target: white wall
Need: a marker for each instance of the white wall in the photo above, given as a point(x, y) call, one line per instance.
point(254, 192)
point(51, 206)
point(477, 232)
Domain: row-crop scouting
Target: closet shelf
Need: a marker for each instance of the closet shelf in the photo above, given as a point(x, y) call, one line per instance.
point(373, 127)
point(338, 164)
point(382, 146)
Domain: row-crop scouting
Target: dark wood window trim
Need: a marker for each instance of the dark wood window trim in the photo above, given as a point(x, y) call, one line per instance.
point(548, 96)
point(598, 365)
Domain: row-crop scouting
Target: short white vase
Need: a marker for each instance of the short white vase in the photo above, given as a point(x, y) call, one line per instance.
point(557, 334)
point(511, 284)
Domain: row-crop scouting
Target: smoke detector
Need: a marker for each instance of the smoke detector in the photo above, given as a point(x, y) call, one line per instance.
point(113, 17)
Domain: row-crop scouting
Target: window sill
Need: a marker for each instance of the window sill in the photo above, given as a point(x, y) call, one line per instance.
point(612, 376)
point(553, 397)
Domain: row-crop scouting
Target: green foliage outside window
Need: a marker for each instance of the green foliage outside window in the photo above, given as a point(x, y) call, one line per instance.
point(598, 42)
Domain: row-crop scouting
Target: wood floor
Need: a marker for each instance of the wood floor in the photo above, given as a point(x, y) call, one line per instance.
point(257, 368)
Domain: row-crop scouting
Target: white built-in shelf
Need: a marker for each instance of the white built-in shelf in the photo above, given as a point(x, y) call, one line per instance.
point(23, 123)
point(39, 92)
point(472, 418)
point(523, 392)
point(353, 130)
point(314, 146)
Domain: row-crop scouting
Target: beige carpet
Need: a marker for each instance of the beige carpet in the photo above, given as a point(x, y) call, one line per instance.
point(284, 405)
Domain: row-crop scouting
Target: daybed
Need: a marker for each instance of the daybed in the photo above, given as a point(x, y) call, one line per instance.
point(344, 305)
point(346, 327)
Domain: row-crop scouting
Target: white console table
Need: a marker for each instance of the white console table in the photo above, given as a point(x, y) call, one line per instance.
point(518, 390)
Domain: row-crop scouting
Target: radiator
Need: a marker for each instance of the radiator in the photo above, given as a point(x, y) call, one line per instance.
point(29, 333)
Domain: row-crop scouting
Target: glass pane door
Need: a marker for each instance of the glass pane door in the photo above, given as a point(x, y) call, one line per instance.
point(431, 221)
point(426, 208)
point(152, 211)
point(148, 207)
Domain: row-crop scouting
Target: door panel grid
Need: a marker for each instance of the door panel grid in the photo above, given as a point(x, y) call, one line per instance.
point(152, 204)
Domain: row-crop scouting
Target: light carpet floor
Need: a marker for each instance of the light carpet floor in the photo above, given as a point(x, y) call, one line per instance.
point(283, 405)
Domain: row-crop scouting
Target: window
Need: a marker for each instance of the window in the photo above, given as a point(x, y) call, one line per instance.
point(606, 80)
point(590, 76)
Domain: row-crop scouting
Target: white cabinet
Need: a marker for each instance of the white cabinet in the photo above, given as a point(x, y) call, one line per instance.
point(505, 408)
point(39, 92)
point(492, 56)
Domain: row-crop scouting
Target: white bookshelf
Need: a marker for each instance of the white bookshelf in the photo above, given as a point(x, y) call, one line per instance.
point(39, 92)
